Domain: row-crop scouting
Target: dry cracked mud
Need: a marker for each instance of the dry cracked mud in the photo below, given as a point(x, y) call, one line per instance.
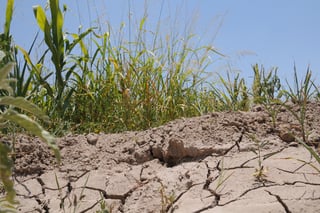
point(201, 164)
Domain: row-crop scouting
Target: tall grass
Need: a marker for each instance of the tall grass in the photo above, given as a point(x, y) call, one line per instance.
point(115, 80)
point(121, 83)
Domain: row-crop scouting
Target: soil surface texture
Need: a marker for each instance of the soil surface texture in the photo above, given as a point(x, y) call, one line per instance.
point(220, 162)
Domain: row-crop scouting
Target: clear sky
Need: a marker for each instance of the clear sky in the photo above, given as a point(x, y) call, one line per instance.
point(269, 32)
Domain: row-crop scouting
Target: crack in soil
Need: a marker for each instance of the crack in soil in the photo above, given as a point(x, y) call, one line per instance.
point(264, 157)
point(283, 204)
point(298, 181)
point(171, 207)
point(43, 204)
point(91, 207)
point(182, 142)
point(237, 142)
point(294, 172)
point(247, 191)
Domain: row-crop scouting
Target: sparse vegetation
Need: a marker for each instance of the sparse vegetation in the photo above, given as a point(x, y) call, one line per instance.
point(167, 199)
point(260, 171)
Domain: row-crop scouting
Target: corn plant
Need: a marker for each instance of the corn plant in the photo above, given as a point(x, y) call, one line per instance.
point(60, 49)
point(260, 171)
point(222, 178)
point(266, 86)
point(233, 95)
point(311, 151)
point(139, 83)
point(5, 37)
point(301, 91)
point(27, 80)
point(6, 203)
point(9, 114)
point(266, 90)
point(22, 83)
point(167, 200)
point(300, 95)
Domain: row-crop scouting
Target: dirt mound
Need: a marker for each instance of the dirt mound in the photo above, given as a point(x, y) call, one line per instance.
point(201, 164)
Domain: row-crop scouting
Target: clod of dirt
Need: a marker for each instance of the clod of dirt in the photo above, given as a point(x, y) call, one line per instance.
point(177, 150)
point(314, 138)
point(32, 156)
point(92, 139)
point(286, 136)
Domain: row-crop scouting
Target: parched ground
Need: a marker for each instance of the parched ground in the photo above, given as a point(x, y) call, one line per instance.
point(201, 164)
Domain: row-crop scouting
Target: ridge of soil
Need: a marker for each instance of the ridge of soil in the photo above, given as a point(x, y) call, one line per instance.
point(199, 164)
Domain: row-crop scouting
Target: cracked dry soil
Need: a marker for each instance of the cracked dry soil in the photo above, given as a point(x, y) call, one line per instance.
point(201, 164)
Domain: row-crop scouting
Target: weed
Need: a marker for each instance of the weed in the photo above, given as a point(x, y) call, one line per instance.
point(6, 38)
point(300, 96)
point(74, 201)
point(266, 86)
point(266, 91)
point(260, 170)
point(311, 151)
point(234, 94)
point(166, 199)
point(222, 177)
point(60, 50)
point(103, 206)
point(302, 91)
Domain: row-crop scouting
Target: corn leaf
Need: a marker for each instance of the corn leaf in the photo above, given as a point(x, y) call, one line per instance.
point(5, 172)
point(40, 15)
point(310, 150)
point(44, 25)
point(9, 12)
point(25, 105)
point(4, 81)
point(33, 127)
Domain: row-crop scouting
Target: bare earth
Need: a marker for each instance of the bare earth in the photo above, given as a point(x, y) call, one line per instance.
point(201, 164)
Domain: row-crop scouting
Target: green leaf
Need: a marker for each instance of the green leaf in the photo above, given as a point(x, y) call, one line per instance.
point(57, 27)
point(4, 81)
point(4, 72)
point(25, 105)
point(310, 150)
point(26, 55)
point(82, 45)
point(9, 12)
point(77, 39)
point(44, 25)
point(5, 172)
point(2, 55)
point(142, 22)
point(40, 16)
point(33, 127)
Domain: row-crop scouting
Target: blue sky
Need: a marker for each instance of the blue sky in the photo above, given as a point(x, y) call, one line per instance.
point(269, 32)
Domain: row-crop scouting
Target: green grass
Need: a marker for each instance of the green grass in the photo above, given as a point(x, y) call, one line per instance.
point(102, 81)
point(115, 84)
point(107, 81)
